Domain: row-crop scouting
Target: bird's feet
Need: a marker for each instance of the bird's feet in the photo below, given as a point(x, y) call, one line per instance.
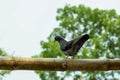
point(66, 57)
point(73, 57)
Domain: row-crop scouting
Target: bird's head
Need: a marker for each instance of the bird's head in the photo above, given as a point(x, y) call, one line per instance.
point(58, 38)
point(86, 36)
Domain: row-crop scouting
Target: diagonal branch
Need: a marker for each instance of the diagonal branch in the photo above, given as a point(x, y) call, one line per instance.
point(55, 64)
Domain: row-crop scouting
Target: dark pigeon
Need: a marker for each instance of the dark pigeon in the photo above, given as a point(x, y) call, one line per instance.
point(70, 48)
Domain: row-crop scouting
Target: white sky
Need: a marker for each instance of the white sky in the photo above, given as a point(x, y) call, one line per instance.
point(24, 23)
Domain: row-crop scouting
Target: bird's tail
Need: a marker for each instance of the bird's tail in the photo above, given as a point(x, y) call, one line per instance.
point(82, 40)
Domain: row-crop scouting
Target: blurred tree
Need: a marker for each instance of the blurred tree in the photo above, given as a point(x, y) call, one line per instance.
point(3, 72)
point(103, 26)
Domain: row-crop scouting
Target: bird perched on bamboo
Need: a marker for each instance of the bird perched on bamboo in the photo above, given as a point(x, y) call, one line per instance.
point(70, 48)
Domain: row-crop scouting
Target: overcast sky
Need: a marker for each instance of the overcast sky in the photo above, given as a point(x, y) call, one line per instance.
point(24, 23)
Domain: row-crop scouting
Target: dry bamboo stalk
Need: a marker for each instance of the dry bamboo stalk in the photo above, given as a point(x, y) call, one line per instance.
point(55, 64)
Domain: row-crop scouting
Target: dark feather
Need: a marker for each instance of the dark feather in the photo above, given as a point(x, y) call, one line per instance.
point(70, 48)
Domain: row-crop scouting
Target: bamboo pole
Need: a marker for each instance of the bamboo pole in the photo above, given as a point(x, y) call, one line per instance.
point(55, 64)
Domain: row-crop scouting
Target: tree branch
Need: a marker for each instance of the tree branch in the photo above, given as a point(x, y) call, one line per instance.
point(54, 64)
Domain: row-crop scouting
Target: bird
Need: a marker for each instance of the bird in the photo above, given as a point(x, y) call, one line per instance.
point(71, 48)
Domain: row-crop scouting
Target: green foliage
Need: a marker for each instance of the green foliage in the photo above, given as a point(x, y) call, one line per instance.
point(52, 48)
point(2, 53)
point(3, 72)
point(103, 26)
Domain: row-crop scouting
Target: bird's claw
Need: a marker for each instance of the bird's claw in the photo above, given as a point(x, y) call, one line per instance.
point(66, 57)
point(73, 57)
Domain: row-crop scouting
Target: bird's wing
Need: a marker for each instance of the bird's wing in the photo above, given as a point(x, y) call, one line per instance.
point(67, 45)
